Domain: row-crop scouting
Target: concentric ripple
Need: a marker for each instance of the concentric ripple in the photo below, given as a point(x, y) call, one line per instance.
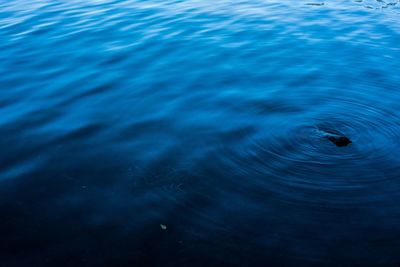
point(296, 150)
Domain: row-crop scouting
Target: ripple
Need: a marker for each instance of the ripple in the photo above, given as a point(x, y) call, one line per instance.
point(295, 151)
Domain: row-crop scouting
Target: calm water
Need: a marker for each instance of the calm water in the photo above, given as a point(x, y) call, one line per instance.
point(189, 133)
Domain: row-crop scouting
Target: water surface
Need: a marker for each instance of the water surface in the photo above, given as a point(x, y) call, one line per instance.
point(188, 133)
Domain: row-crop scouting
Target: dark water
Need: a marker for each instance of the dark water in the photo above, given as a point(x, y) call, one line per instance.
point(121, 118)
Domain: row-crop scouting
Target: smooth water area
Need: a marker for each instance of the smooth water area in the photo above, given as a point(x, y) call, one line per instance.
point(191, 133)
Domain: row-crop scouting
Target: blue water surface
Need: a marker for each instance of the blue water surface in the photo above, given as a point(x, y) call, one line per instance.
point(191, 133)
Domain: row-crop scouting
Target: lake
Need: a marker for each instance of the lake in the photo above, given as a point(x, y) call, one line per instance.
point(199, 133)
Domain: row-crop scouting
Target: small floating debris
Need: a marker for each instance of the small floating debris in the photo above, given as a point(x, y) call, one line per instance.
point(315, 4)
point(163, 226)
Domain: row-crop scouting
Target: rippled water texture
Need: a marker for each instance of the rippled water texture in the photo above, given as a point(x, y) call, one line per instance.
point(193, 133)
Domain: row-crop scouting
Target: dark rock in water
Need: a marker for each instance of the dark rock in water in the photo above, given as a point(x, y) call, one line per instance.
point(339, 140)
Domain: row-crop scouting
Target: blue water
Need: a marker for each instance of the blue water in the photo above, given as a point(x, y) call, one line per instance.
point(191, 133)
